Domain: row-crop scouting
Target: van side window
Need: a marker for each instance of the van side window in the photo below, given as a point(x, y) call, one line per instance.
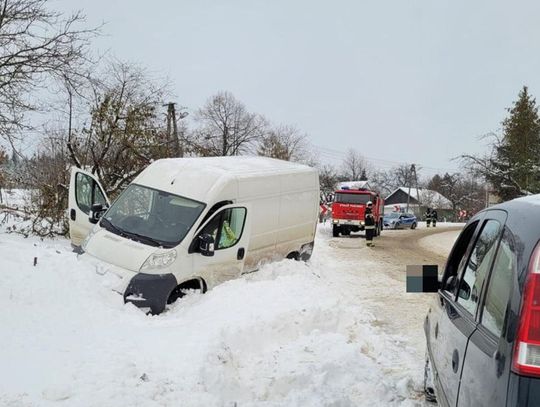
point(83, 192)
point(87, 192)
point(232, 226)
point(478, 265)
point(226, 227)
point(500, 284)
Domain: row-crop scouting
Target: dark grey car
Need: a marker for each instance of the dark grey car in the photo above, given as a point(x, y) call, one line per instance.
point(483, 329)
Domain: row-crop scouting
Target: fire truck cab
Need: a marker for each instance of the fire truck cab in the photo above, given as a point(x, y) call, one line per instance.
point(348, 210)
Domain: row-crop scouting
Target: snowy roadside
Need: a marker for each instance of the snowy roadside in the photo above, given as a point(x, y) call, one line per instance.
point(440, 243)
point(288, 335)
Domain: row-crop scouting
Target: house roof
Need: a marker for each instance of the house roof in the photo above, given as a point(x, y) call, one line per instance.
point(427, 197)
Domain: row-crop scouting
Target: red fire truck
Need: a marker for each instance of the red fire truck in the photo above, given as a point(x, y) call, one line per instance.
point(349, 207)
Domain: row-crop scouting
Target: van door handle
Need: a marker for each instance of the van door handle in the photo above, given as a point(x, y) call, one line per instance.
point(240, 254)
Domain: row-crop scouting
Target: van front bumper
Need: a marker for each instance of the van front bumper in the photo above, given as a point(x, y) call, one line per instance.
point(150, 291)
point(143, 290)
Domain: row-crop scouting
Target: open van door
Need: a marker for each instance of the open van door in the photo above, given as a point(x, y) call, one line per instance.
point(227, 234)
point(84, 191)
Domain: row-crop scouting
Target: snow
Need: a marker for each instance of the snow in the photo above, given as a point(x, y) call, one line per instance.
point(14, 198)
point(292, 334)
point(441, 243)
point(531, 199)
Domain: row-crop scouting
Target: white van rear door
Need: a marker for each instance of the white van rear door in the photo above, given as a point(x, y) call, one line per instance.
point(231, 229)
point(84, 191)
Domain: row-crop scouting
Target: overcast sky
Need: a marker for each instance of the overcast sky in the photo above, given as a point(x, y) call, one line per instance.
point(401, 81)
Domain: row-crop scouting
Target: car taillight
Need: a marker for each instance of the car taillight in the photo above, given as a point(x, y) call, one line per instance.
point(526, 359)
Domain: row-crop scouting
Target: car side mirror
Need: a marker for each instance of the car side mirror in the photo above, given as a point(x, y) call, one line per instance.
point(206, 244)
point(465, 291)
point(96, 211)
point(450, 284)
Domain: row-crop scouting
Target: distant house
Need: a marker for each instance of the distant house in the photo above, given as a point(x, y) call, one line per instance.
point(419, 200)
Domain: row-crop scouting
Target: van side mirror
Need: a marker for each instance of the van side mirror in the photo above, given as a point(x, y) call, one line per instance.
point(206, 244)
point(96, 211)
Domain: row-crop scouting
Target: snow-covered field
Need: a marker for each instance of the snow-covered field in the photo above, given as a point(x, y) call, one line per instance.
point(288, 335)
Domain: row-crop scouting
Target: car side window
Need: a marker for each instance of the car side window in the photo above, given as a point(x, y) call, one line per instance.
point(457, 256)
point(226, 227)
point(478, 265)
point(499, 286)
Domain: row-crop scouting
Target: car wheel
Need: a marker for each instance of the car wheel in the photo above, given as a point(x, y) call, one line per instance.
point(335, 230)
point(413, 226)
point(429, 384)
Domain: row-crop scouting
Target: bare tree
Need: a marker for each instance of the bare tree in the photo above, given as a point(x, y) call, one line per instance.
point(285, 143)
point(124, 129)
point(328, 178)
point(34, 43)
point(389, 180)
point(353, 165)
point(226, 127)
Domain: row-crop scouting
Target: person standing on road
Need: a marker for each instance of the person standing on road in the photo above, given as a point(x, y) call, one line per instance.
point(369, 224)
point(434, 217)
point(427, 216)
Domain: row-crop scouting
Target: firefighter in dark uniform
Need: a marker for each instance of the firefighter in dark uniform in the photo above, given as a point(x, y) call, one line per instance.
point(427, 216)
point(369, 224)
point(434, 217)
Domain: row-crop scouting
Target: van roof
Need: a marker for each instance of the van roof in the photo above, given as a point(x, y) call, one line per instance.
point(196, 177)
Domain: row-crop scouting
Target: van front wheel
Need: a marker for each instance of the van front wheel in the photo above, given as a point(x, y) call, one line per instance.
point(195, 285)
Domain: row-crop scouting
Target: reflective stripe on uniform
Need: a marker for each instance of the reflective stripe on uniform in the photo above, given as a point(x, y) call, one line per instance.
point(369, 227)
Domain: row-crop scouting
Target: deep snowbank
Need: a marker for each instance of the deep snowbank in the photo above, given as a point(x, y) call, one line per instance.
point(281, 336)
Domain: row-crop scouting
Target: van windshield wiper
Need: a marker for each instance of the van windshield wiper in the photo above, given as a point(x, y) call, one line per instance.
point(111, 228)
point(131, 235)
point(143, 239)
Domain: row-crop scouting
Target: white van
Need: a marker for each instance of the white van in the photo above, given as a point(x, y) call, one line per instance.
point(192, 223)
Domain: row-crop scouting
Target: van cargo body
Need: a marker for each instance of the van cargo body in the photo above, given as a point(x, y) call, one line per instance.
point(195, 222)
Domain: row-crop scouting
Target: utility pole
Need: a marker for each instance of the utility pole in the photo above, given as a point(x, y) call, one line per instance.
point(409, 179)
point(172, 130)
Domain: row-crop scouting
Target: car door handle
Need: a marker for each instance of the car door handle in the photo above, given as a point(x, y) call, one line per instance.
point(73, 214)
point(455, 361)
point(240, 254)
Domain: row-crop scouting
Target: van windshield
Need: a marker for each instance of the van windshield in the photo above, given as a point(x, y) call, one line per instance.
point(152, 217)
point(352, 198)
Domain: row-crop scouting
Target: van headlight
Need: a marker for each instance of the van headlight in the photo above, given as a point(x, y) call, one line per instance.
point(159, 259)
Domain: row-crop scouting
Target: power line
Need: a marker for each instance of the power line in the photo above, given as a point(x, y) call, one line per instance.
point(339, 155)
